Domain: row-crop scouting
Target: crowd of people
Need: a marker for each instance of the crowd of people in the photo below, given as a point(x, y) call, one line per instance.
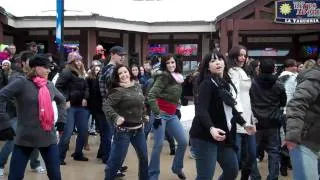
point(243, 107)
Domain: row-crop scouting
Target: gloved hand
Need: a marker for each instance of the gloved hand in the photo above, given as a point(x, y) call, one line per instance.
point(60, 126)
point(7, 134)
point(157, 122)
point(227, 97)
point(178, 113)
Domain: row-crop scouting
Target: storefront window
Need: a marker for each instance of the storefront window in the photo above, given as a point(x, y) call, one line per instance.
point(268, 52)
point(70, 46)
point(186, 49)
point(189, 66)
point(158, 49)
point(308, 51)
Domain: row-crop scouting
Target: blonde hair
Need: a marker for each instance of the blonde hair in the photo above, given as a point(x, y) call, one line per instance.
point(80, 72)
point(309, 64)
point(31, 73)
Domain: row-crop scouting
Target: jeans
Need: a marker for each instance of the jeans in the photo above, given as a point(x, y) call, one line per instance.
point(148, 126)
point(246, 154)
point(272, 139)
point(207, 154)
point(304, 163)
point(77, 116)
point(319, 168)
point(106, 132)
point(8, 148)
point(119, 149)
point(173, 125)
point(20, 157)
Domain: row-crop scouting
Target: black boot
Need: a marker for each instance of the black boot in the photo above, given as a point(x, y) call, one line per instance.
point(245, 174)
point(283, 171)
point(172, 151)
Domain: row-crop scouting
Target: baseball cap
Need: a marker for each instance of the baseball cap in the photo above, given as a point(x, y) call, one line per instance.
point(32, 43)
point(118, 50)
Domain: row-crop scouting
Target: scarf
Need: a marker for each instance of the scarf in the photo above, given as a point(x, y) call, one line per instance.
point(178, 77)
point(46, 114)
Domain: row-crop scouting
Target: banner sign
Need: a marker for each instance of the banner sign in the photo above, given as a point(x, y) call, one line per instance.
point(297, 12)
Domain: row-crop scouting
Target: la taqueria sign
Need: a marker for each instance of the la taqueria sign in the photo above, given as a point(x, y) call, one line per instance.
point(297, 12)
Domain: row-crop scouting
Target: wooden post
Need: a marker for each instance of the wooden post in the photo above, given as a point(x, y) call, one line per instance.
point(1, 33)
point(223, 36)
point(144, 46)
point(235, 33)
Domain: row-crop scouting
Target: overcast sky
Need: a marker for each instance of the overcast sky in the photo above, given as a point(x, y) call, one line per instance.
point(136, 10)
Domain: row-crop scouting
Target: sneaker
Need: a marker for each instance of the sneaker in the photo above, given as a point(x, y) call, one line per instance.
point(93, 133)
point(172, 152)
point(120, 174)
point(1, 172)
point(80, 158)
point(39, 169)
point(283, 171)
point(123, 169)
point(62, 163)
point(182, 176)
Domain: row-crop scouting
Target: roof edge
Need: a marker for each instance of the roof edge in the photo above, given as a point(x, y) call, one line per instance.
point(234, 9)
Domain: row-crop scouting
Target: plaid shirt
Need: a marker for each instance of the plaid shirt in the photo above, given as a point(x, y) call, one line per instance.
point(104, 79)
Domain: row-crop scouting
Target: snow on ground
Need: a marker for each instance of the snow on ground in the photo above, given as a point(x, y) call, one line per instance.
point(187, 115)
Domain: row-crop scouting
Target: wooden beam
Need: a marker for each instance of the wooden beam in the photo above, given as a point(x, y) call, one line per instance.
point(242, 13)
point(255, 24)
point(264, 2)
point(1, 33)
point(256, 13)
point(229, 24)
point(235, 32)
point(223, 37)
point(268, 10)
point(144, 46)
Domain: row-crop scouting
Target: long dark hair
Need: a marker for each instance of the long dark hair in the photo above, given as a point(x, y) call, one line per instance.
point(233, 55)
point(163, 65)
point(204, 66)
point(250, 68)
point(139, 74)
point(115, 80)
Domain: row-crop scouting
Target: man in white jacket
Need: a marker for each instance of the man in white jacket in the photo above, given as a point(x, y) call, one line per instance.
point(288, 79)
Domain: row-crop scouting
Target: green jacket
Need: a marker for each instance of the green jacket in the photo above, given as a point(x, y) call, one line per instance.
point(303, 111)
point(164, 87)
point(126, 102)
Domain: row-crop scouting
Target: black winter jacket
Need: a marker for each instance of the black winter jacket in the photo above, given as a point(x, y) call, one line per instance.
point(211, 114)
point(72, 86)
point(267, 97)
point(95, 99)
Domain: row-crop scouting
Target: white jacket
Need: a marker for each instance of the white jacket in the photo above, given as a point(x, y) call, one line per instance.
point(290, 84)
point(243, 83)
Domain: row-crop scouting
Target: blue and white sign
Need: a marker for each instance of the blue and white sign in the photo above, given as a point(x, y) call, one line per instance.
point(297, 12)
